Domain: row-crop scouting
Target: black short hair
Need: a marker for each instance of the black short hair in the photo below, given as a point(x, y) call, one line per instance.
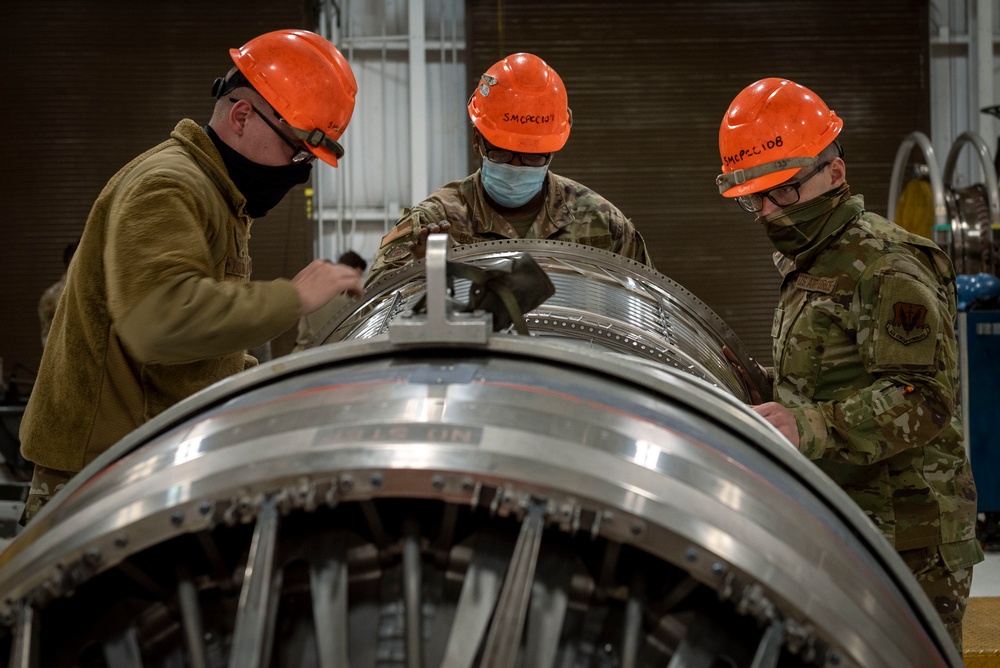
point(352, 259)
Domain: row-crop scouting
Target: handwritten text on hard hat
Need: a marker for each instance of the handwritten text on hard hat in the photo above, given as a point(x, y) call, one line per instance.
point(736, 158)
point(525, 119)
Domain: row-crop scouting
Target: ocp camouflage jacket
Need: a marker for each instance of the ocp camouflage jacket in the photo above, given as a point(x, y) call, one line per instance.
point(571, 212)
point(865, 357)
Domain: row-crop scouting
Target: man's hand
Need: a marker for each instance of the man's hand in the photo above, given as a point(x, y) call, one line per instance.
point(418, 248)
point(741, 371)
point(323, 280)
point(782, 420)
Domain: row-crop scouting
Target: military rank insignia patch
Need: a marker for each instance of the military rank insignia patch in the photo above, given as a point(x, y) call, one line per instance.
point(908, 324)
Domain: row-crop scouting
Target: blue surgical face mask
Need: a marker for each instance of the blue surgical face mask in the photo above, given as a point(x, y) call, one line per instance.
point(512, 186)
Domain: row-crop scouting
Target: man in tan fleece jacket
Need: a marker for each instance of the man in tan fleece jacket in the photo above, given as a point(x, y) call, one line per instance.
point(159, 303)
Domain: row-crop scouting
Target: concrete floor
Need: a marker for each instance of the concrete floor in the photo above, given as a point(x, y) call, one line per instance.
point(986, 576)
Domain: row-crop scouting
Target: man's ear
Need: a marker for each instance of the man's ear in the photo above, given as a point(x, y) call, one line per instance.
point(838, 172)
point(238, 117)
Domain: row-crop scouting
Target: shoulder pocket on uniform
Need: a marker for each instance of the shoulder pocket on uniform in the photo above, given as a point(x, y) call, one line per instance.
point(907, 324)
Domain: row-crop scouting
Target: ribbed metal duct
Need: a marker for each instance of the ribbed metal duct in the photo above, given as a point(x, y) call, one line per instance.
point(602, 300)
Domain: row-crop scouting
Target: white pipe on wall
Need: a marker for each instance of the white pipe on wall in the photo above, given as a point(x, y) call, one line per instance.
point(418, 103)
point(984, 65)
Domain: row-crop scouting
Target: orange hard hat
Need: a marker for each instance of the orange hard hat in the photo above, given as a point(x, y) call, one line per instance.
point(520, 105)
point(307, 81)
point(773, 128)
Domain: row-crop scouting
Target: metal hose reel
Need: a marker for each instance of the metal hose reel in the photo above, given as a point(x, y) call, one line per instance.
point(966, 219)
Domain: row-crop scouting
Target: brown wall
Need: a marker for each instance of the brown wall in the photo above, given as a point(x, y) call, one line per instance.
point(649, 83)
point(86, 87)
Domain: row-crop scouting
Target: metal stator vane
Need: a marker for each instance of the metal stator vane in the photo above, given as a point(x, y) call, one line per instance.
point(425, 491)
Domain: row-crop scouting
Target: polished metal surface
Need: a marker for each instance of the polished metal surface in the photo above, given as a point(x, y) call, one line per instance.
point(520, 501)
point(602, 301)
point(970, 238)
point(975, 211)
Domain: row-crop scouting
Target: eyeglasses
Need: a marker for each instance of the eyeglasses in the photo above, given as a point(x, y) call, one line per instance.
point(299, 154)
point(784, 195)
point(503, 156)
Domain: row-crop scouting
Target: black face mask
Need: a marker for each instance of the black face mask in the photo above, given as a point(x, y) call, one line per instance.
point(263, 185)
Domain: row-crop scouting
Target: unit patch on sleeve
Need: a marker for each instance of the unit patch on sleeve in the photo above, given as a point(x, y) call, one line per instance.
point(397, 253)
point(908, 324)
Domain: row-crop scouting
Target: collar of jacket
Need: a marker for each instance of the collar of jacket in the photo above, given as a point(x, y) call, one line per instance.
point(196, 141)
point(486, 219)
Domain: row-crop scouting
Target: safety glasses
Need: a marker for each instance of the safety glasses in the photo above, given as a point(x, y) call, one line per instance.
point(315, 138)
point(784, 195)
point(503, 156)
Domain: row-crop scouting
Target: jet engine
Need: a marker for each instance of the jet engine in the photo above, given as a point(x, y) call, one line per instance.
point(426, 491)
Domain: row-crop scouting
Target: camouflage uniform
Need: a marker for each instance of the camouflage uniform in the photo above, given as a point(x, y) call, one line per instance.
point(866, 359)
point(45, 482)
point(571, 212)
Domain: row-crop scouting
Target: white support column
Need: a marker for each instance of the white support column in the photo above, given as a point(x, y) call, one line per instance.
point(315, 193)
point(329, 19)
point(418, 103)
point(981, 30)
